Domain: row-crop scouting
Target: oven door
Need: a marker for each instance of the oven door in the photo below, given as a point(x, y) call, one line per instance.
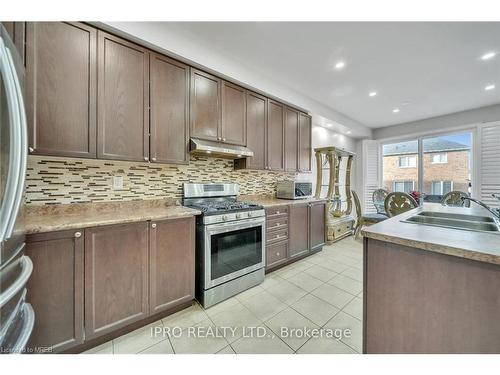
point(233, 250)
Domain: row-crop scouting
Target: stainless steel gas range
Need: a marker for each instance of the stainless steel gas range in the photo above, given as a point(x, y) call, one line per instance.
point(230, 241)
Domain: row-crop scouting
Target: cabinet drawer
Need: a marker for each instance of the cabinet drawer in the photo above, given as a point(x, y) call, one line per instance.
point(276, 254)
point(277, 211)
point(277, 235)
point(279, 223)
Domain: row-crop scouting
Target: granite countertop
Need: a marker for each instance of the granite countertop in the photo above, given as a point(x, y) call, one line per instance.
point(270, 200)
point(49, 218)
point(479, 246)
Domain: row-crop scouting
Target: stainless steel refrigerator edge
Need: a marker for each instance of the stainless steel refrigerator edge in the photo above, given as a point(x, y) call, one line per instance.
point(16, 316)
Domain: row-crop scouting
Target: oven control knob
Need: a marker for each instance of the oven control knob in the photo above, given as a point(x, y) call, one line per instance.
point(250, 214)
point(224, 217)
point(238, 216)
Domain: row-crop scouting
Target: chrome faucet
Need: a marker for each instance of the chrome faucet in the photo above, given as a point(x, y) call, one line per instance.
point(495, 212)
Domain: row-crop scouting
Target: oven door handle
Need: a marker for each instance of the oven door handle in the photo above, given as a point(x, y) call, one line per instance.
point(236, 225)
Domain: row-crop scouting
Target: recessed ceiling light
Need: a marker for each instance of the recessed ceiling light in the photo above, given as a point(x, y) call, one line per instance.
point(488, 55)
point(339, 65)
point(328, 125)
point(348, 132)
point(372, 93)
point(395, 110)
point(489, 87)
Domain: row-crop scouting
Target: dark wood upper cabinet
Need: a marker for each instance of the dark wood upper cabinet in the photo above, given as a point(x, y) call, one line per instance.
point(234, 122)
point(291, 139)
point(305, 147)
point(317, 212)
point(298, 224)
point(275, 136)
point(116, 277)
point(205, 106)
point(256, 131)
point(61, 88)
point(17, 32)
point(123, 99)
point(55, 289)
point(169, 99)
point(171, 263)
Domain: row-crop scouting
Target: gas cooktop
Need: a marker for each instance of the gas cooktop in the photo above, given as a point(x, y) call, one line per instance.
point(209, 207)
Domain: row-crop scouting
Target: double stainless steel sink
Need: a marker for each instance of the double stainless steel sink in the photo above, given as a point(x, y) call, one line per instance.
point(456, 221)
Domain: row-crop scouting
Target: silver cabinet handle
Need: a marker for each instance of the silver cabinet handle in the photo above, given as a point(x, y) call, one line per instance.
point(146, 158)
point(278, 224)
point(223, 139)
point(153, 159)
point(78, 234)
point(31, 149)
point(153, 225)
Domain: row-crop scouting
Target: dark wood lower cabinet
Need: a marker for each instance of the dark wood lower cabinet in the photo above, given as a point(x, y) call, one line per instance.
point(55, 289)
point(293, 232)
point(298, 224)
point(317, 212)
point(276, 254)
point(116, 277)
point(171, 263)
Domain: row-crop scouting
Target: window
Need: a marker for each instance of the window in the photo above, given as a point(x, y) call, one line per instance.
point(407, 161)
point(440, 158)
point(404, 186)
point(441, 187)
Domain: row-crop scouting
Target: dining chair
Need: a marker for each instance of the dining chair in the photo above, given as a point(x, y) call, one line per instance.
point(366, 219)
point(398, 202)
point(379, 199)
point(454, 199)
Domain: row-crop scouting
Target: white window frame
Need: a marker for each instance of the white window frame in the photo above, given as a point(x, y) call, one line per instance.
point(403, 181)
point(441, 189)
point(474, 129)
point(408, 157)
point(440, 154)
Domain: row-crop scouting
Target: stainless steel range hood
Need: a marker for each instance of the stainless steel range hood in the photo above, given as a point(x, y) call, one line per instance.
point(212, 148)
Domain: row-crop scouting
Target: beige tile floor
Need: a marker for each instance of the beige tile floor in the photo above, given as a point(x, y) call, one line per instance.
point(322, 291)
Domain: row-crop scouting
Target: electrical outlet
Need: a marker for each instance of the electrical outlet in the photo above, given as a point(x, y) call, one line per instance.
point(117, 182)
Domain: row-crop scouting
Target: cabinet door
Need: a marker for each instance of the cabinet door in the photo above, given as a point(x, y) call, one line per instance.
point(233, 114)
point(61, 88)
point(171, 263)
point(17, 32)
point(123, 99)
point(317, 225)
point(256, 130)
point(276, 254)
point(298, 225)
point(305, 148)
point(205, 106)
point(55, 289)
point(291, 139)
point(169, 110)
point(275, 136)
point(116, 277)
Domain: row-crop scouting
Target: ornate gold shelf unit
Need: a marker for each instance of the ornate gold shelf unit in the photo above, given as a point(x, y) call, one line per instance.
point(339, 221)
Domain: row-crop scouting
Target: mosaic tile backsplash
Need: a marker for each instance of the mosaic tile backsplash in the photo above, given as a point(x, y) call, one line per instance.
point(54, 180)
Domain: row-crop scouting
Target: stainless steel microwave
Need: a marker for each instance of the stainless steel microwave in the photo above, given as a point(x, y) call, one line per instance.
point(294, 189)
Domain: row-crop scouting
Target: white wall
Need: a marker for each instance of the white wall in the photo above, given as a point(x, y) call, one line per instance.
point(450, 122)
point(322, 137)
point(165, 37)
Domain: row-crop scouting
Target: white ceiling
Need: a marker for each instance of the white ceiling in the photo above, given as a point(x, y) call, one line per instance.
point(425, 69)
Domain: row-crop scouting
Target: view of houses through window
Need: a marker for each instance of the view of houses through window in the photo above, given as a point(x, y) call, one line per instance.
point(445, 165)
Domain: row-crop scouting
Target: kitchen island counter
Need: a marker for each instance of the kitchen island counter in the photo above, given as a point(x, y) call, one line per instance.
point(430, 289)
point(480, 246)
